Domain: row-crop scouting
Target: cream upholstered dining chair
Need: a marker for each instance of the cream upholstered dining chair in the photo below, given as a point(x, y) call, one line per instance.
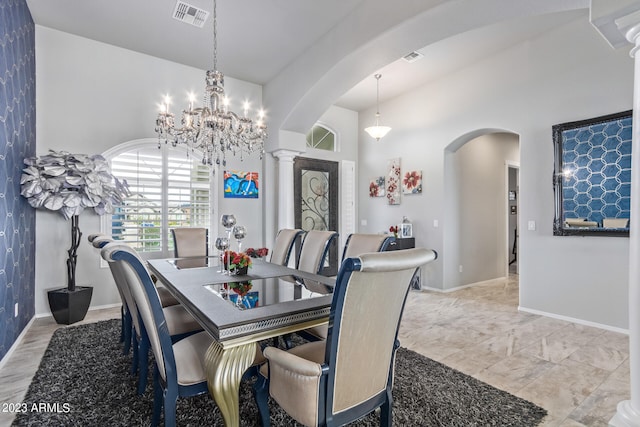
point(339, 380)
point(179, 322)
point(285, 241)
point(315, 247)
point(179, 366)
point(190, 241)
point(358, 244)
point(313, 254)
point(99, 240)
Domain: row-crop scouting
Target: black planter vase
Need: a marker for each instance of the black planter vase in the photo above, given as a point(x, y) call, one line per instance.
point(68, 306)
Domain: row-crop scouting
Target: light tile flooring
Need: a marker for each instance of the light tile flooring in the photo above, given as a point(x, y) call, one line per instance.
point(577, 373)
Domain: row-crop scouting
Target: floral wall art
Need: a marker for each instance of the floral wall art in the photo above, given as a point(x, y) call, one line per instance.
point(412, 182)
point(376, 187)
point(393, 182)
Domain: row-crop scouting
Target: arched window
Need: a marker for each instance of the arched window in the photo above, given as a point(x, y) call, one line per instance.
point(170, 187)
point(321, 138)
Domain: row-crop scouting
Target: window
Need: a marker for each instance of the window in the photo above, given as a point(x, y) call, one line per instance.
point(321, 138)
point(170, 187)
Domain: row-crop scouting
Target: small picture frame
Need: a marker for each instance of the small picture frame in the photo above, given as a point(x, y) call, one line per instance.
point(406, 230)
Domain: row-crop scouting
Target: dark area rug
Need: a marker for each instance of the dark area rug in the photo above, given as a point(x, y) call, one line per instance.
point(84, 380)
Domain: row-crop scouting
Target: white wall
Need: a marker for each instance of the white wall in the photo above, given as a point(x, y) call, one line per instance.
point(90, 97)
point(482, 184)
point(567, 74)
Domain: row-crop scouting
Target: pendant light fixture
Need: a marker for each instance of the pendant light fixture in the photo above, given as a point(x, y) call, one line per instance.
point(377, 131)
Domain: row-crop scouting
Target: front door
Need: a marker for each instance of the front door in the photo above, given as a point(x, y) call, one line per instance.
point(315, 187)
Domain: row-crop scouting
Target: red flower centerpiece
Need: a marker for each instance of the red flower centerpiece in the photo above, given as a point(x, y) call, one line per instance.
point(238, 262)
point(394, 229)
point(257, 253)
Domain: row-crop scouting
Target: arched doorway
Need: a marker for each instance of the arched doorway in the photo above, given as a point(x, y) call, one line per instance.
point(477, 239)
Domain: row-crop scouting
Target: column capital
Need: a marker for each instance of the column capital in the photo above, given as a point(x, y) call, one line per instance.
point(630, 25)
point(614, 19)
point(285, 155)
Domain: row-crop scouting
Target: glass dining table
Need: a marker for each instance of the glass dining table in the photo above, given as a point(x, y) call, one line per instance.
point(238, 311)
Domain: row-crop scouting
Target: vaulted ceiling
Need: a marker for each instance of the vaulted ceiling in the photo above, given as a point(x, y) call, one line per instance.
point(259, 38)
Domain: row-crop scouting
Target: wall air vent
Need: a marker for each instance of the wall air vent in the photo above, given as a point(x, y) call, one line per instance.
point(413, 56)
point(190, 14)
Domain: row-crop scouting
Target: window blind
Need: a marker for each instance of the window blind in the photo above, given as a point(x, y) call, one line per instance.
point(168, 189)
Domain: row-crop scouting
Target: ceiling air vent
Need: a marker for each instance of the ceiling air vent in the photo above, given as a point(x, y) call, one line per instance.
point(190, 14)
point(412, 57)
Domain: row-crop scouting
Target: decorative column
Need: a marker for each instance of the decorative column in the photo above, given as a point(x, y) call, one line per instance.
point(628, 411)
point(286, 216)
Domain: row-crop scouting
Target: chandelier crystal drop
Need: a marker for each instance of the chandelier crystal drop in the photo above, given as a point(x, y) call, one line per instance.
point(212, 129)
point(377, 131)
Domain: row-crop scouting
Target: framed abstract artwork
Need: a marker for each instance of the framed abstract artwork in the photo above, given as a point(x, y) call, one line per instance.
point(376, 187)
point(241, 185)
point(412, 182)
point(393, 181)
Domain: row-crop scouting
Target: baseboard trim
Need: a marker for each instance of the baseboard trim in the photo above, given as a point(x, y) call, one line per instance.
point(574, 320)
point(533, 311)
point(92, 308)
point(458, 288)
point(17, 342)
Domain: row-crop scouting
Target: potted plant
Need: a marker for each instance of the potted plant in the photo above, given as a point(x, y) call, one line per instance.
point(238, 262)
point(69, 183)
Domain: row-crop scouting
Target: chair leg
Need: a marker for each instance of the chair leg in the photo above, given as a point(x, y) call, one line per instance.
point(122, 334)
point(158, 397)
point(170, 403)
point(261, 395)
point(386, 411)
point(136, 350)
point(127, 332)
point(143, 363)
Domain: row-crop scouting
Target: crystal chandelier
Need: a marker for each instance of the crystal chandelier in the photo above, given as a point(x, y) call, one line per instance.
point(212, 129)
point(377, 131)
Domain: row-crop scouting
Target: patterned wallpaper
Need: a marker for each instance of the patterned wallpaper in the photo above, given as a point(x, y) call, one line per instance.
point(17, 141)
point(599, 158)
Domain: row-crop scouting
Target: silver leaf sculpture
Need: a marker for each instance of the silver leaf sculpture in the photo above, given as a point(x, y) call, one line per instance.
point(69, 183)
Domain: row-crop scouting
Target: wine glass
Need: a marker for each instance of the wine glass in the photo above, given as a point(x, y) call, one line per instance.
point(228, 221)
point(222, 243)
point(239, 232)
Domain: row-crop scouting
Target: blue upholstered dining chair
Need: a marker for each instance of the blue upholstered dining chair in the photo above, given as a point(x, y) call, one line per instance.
point(283, 245)
point(179, 322)
point(190, 242)
point(337, 381)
